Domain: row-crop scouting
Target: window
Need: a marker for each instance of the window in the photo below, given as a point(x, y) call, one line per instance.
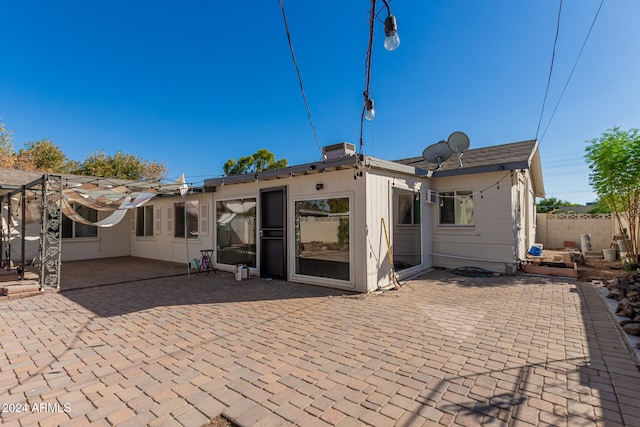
point(72, 229)
point(456, 207)
point(407, 236)
point(408, 208)
point(144, 221)
point(191, 220)
point(322, 238)
point(236, 232)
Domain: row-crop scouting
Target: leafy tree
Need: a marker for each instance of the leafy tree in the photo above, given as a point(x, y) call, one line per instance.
point(43, 156)
point(552, 204)
point(260, 161)
point(614, 160)
point(120, 165)
point(7, 154)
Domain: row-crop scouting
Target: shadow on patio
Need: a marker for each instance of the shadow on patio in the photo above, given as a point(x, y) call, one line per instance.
point(117, 286)
point(557, 369)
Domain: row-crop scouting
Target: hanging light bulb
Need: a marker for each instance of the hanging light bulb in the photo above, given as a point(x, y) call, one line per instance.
point(392, 40)
point(369, 112)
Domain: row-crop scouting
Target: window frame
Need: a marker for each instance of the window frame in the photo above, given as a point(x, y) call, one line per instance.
point(347, 283)
point(179, 230)
point(253, 263)
point(77, 227)
point(145, 226)
point(414, 207)
point(456, 197)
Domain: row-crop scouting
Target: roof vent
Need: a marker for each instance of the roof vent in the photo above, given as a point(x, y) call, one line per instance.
point(336, 151)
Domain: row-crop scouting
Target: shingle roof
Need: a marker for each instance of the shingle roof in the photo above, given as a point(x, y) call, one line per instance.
point(515, 155)
point(18, 177)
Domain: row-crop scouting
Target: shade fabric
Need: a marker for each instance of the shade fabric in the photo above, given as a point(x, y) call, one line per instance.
point(110, 221)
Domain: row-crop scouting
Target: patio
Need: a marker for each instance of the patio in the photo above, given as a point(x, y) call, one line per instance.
point(443, 350)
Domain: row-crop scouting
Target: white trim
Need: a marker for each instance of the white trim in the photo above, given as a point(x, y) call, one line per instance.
point(315, 280)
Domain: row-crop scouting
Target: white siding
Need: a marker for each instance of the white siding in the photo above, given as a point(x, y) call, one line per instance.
point(111, 242)
point(163, 245)
point(491, 236)
point(379, 205)
point(370, 202)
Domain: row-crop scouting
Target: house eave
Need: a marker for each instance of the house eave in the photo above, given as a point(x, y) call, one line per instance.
point(482, 169)
point(342, 163)
point(298, 170)
point(397, 167)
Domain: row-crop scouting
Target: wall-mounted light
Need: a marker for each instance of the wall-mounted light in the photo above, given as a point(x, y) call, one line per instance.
point(319, 186)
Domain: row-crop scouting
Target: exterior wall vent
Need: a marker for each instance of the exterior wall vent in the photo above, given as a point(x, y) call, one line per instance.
point(336, 151)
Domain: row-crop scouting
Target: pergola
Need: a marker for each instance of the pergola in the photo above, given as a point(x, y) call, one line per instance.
point(34, 198)
point(50, 226)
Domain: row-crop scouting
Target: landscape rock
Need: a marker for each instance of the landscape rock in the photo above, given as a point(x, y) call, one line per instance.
point(632, 328)
point(615, 294)
point(625, 309)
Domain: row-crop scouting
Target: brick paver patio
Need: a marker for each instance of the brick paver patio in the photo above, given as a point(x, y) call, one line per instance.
point(443, 350)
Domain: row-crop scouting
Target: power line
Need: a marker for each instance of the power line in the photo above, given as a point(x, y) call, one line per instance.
point(573, 69)
point(295, 63)
point(367, 67)
point(553, 56)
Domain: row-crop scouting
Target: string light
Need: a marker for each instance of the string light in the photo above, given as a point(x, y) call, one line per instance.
point(392, 39)
point(391, 42)
point(480, 192)
point(369, 112)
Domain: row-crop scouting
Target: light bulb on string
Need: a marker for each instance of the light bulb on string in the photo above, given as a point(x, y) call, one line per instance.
point(392, 39)
point(369, 111)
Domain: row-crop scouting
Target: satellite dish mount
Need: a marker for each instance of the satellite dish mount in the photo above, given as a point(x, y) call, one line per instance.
point(439, 152)
point(458, 142)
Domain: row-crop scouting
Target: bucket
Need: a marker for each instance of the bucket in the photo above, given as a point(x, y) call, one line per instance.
point(585, 242)
point(609, 254)
point(535, 251)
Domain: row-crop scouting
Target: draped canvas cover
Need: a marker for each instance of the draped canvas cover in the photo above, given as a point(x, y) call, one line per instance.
point(104, 198)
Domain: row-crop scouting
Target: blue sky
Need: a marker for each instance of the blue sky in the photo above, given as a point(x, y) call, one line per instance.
point(194, 83)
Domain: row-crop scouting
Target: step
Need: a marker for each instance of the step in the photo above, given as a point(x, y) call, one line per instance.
point(20, 288)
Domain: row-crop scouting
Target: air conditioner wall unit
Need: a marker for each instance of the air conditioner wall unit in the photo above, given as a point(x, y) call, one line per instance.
point(432, 197)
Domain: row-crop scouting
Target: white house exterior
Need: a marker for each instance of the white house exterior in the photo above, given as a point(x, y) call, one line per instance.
point(336, 222)
point(501, 182)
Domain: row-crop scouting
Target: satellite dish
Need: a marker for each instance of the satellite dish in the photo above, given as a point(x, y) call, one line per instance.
point(437, 153)
point(458, 142)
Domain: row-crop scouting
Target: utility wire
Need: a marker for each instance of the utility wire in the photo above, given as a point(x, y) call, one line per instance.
point(553, 56)
point(295, 63)
point(573, 69)
point(367, 67)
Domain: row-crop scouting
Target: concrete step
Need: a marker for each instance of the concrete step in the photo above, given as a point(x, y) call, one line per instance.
point(22, 288)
